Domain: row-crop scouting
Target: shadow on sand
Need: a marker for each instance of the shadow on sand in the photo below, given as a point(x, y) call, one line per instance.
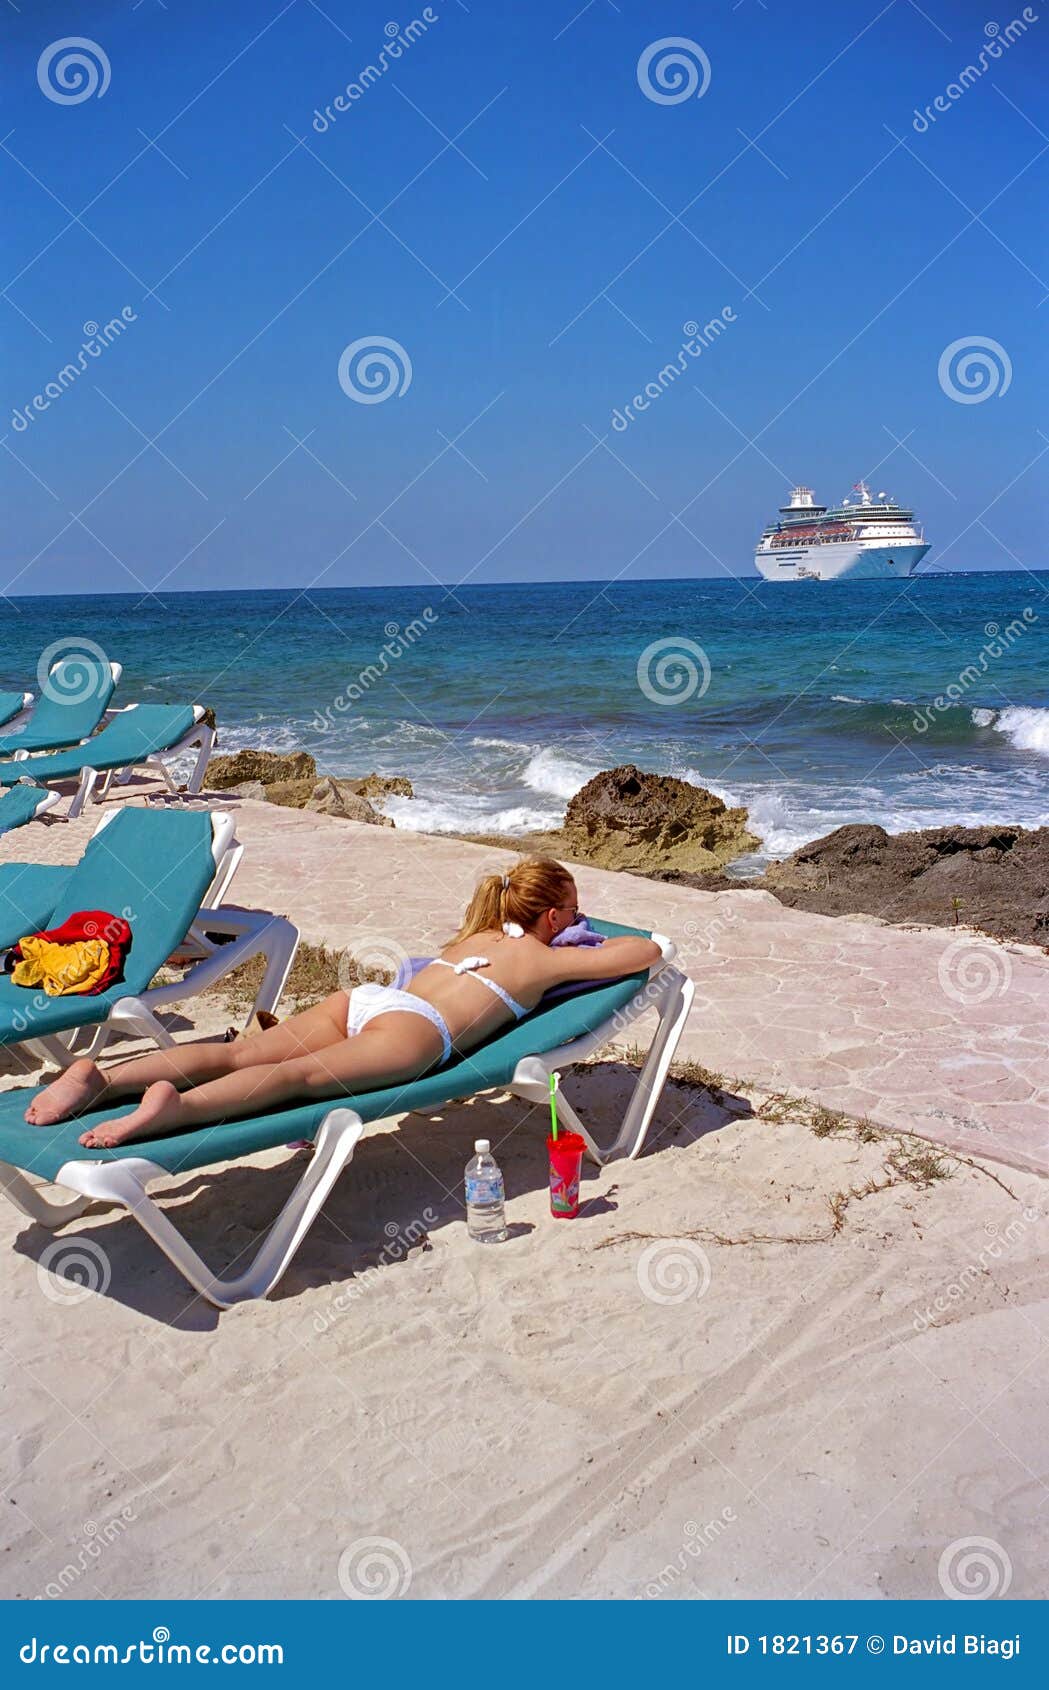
point(402, 1186)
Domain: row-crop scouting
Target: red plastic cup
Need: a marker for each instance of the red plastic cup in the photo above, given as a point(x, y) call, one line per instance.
point(566, 1160)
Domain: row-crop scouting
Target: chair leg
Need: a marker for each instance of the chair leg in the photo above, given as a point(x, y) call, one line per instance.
point(206, 742)
point(674, 1003)
point(532, 1082)
point(670, 993)
point(55, 1048)
point(155, 764)
point(282, 943)
point(124, 1182)
point(32, 1202)
point(132, 1015)
point(88, 781)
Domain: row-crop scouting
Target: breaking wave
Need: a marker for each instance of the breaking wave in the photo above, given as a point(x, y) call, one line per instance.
point(1026, 727)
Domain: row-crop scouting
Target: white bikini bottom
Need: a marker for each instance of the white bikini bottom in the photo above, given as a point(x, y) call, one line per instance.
point(368, 1001)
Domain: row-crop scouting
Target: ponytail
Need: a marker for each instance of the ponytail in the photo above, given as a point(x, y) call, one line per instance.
point(533, 885)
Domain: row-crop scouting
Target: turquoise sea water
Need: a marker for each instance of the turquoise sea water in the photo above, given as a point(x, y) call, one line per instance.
point(819, 706)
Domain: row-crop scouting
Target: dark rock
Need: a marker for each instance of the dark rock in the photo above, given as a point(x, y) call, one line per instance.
point(266, 766)
point(992, 878)
point(334, 797)
point(626, 818)
point(381, 786)
point(292, 794)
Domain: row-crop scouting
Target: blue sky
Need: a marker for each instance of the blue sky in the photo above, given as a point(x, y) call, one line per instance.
point(508, 206)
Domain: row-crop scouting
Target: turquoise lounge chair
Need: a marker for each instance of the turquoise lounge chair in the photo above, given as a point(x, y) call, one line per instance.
point(163, 871)
point(520, 1060)
point(28, 894)
point(75, 699)
point(31, 892)
point(140, 736)
point(13, 706)
point(22, 803)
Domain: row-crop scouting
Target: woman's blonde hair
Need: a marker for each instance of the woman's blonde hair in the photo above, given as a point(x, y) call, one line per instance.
point(522, 894)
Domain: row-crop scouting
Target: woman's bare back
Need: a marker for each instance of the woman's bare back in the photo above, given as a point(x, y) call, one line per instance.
point(522, 967)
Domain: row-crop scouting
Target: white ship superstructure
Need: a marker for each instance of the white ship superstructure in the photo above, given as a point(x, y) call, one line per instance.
point(862, 539)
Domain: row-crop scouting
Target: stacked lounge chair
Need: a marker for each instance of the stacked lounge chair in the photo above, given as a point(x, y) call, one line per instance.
point(25, 803)
point(14, 708)
point(139, 736)
point(74, 701)
point(164, 871)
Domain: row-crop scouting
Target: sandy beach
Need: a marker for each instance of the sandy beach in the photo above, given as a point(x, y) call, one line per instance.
point(785, 1353)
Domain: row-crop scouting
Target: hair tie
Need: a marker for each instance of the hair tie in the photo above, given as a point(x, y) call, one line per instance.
point(506, 882)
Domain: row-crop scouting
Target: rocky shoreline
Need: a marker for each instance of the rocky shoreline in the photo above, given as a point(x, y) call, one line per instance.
point(291, 779)
point(995, 879)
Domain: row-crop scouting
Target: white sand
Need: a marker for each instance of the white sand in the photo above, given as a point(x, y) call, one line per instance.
point(828, 1415)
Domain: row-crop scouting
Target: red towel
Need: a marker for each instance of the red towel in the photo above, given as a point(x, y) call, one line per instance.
point(89, 924)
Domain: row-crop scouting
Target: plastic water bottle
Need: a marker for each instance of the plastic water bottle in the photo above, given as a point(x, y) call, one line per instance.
point(485, 1210)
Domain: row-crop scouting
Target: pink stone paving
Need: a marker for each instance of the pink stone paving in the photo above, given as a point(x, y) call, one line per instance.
point(935, 1031)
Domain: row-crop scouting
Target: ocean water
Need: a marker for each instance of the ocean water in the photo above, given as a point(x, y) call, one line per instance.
point(910, 704)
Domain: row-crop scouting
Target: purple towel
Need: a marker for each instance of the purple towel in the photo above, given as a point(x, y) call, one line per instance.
point(580, 933)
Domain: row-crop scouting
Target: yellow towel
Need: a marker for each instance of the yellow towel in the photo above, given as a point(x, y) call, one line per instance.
point(62, 970)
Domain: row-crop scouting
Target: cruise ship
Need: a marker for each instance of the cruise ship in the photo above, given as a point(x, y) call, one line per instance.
point(862, 539)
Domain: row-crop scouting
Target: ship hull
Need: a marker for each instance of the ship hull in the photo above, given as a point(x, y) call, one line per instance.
point(847, 561)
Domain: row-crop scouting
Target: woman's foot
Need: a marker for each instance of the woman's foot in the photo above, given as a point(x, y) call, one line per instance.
point(158, 1111)
point(73, 1092)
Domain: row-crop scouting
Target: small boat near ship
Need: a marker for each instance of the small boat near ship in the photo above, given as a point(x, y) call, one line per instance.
point(862, 539)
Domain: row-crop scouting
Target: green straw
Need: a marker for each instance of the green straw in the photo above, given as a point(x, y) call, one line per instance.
point(553, 1104)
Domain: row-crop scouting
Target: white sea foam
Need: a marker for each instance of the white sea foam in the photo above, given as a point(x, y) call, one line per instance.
point(1026, 727)
point(983, 718)
point(467, 813)
point(501, 744)
point(843, 698)
point(554, 772)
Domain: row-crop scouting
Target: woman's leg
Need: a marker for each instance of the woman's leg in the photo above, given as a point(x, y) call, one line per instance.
point(394, 1047)
point(84, 1083)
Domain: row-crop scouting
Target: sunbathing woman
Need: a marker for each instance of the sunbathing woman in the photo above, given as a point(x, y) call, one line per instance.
point(494, 971)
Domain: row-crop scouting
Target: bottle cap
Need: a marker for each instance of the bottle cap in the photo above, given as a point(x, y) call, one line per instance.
point(482, 1146)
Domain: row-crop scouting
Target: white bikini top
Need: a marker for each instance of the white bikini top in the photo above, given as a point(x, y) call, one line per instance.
point(470, 965)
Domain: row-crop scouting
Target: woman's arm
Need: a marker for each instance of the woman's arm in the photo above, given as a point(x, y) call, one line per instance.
point(610, 961)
